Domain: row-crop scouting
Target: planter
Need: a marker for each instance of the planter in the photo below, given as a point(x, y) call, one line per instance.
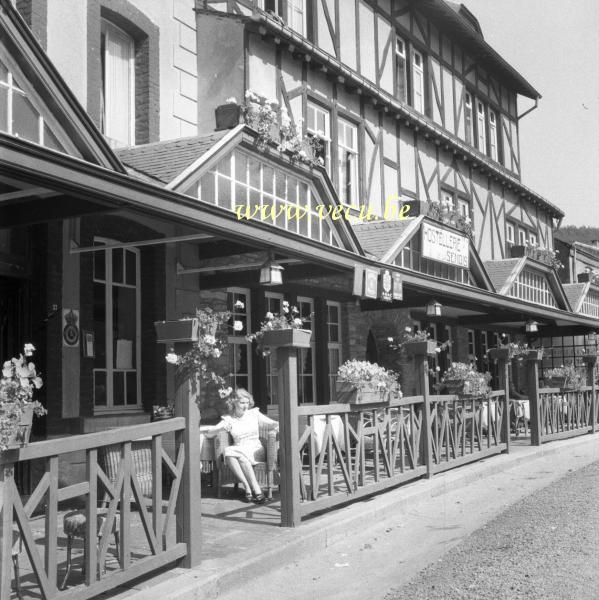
point(556, 382)
point(518, 251)
point(20, 437)
point(183, 330)
point(347, 393)
point(535, 354)
point(227, 116)
point(426, 347)
point(285, 338)
point(454, 386)
point(499, 354)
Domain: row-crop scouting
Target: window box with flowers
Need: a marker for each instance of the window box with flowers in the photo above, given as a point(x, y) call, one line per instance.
point(281, 330)
point(463, 379)
point(417, 343)
point(17, 406)
point(363, 382)
point(565, 377)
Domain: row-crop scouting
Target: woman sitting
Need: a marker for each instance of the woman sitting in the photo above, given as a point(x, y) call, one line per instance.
point(243, 423)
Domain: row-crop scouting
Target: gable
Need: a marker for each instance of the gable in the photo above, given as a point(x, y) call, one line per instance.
point(35, 103)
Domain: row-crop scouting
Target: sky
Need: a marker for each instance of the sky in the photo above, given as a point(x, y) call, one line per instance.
point(555, 46)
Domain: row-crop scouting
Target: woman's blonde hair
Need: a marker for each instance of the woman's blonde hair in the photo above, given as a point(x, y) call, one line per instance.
point(236, 396)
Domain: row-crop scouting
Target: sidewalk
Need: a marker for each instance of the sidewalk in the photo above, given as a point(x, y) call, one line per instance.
point(239, 552)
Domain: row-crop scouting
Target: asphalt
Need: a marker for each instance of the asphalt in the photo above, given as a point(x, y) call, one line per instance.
point(246, 553)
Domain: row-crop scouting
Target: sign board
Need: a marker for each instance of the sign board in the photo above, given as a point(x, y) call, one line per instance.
point(445, 246)
point(386, 289)
point(397, 287)
point(371, 283)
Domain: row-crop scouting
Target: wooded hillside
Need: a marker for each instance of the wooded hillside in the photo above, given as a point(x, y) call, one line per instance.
point(571, 233)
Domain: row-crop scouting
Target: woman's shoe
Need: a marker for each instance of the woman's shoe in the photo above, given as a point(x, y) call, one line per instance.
point(247, 498)
point(259, 499)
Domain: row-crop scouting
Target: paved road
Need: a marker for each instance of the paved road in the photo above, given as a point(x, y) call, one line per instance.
point(507, 536)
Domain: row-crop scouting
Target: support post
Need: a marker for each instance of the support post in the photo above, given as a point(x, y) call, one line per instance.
point(421, 363)
point(590, 360)
point(288, 435)
point(189, 502)
point(503, 366)
point(7, 472)
point(532, 368)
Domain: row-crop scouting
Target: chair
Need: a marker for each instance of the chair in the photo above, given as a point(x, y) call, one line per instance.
point(265, 471)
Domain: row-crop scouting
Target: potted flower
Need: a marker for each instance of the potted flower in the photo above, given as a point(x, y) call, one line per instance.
point(227, 115)
point(507, 350)
point(162, 412)
point(360, 382)
point(17, 406)
point(464, 379)
point(208, 341)
point(567, 376)
point(284, 329)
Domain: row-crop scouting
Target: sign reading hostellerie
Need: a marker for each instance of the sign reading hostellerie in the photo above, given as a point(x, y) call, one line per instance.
point(445, 246)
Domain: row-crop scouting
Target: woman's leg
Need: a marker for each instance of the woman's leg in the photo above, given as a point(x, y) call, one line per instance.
point(234, 464)
point(250, 475)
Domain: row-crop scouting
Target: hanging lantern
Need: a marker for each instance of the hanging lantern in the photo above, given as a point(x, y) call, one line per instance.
point(434, 309)
point(532, 326)
point(271, 273)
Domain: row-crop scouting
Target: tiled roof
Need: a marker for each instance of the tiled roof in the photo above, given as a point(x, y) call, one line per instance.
point(378, 237)
point(573, 292)
point(165, 160)
point(500, 270)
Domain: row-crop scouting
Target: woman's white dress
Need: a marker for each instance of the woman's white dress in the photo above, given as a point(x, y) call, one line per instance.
point(245, 433)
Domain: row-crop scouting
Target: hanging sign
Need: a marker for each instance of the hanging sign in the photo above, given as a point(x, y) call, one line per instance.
point(386, 286)
point(397, 287)
point(70, 327)
point(371, 283)
point(445, 246)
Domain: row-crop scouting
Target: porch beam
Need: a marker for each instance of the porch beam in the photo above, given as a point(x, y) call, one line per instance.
point(229, 267)
point(166, 240)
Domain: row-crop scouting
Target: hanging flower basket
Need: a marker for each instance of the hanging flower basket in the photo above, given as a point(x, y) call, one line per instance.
point(182, 330)
point(425, 347)
point(285, 338)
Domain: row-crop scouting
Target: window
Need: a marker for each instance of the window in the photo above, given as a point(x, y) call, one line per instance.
point(335, 359)
point(306, 375)
point(481, 127)
point(532, 287)
point(522, 237)
point(509, 228)
point(493, 136)
point(117, 326)
point(532, 239)
point(319, 123)
point(471, 345)
point(296, 15)
point(240, 350)
point(468, 118)
point(417, 81)
point(348, 163)
point(118, 85)
point(448, 198)
point(463, 207)
point(19, 117)
point(401, 70)
point(274, 304)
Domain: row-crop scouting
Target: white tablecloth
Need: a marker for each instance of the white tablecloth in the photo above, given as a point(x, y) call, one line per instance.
point(319, 425)
point(522, 409)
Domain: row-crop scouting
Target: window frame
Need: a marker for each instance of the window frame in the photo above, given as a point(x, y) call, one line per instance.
point(310, 301)
point(109, 369)
point(420, 71)
point(493, 135)
point(510, 233)
point(271, 380)
point(401, 70)
point(240, 339)
point(469, 117)
point(338, 346)
point(324, 136)
point(354, 196)
point(481, 126)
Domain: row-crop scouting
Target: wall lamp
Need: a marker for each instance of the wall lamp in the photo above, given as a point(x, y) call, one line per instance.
point(434, 308)
point(532, 326)
point(271, 272)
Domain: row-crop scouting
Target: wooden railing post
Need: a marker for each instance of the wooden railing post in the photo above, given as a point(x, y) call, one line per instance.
point(532, 368)
point(189, 502)
point(288, 434)
point(7, 473)
point(503, 366)
point(426, 437)
point(590, 360)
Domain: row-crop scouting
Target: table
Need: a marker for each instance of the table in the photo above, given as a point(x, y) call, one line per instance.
point(319, 424)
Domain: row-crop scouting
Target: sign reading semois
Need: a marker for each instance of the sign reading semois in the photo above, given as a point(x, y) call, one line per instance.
point(445, 246)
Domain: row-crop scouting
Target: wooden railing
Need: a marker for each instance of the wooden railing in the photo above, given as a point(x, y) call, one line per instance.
point(564, 413)
point(95, 487)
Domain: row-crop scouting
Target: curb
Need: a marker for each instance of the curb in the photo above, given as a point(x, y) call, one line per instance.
point(215, 577)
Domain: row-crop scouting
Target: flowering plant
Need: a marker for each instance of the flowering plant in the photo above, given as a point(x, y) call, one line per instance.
point(411, 336)
point(19, 380)
point(204, 354)
point(445, 212)
point(362, 374)
point(544, 255)
point(288, 319)
point(572, 377)
point(467, 379)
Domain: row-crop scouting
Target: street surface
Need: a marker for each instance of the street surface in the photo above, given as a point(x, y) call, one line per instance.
point(528, 532)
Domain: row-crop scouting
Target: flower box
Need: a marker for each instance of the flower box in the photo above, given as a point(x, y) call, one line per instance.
point(227, 116)
point(454, 386)
point(424, 347)
point(285, 338)
point(182, 330)
point(347, 393)
point(535, 354)
point(556, 382)
point(20, 436)
point(499, 354)
point(518, 251)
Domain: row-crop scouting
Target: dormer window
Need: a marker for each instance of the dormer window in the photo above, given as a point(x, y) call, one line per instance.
point(118, 85)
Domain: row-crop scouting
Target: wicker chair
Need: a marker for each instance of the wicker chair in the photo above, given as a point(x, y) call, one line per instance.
point(266, 472)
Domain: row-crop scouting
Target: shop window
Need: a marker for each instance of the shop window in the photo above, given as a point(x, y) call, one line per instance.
point(240, 350)
point(318, 124)
point(117, 326)
point(19, 116)
point(401, 72)
point(347, 142)
point(335, 358)
point(117, 51)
